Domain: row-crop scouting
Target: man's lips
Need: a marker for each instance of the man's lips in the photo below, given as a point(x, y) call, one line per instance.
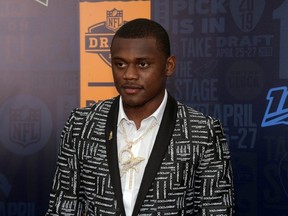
point(131, 89)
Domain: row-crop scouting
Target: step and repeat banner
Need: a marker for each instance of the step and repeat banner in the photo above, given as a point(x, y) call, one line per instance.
point(232, 63)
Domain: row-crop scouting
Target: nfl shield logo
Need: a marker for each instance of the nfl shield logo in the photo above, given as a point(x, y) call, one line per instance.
point(114, 19)
point(25, 126)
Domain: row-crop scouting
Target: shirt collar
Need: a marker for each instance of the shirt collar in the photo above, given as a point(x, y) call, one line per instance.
point(158, 114)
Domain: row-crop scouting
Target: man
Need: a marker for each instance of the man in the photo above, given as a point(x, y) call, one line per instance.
point(142, 153)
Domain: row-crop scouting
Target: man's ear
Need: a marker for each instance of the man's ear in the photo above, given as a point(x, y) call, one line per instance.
point(170, 66)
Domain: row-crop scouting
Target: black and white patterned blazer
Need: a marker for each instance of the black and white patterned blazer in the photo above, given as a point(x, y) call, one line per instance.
point(188, 172)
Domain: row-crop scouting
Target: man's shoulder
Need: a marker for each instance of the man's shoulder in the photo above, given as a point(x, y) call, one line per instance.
point(190, 111)
point(98, 108)
point(196, 116)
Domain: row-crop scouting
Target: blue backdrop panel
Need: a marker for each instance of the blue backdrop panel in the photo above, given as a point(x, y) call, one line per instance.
point(232, 64)
point(39, 85)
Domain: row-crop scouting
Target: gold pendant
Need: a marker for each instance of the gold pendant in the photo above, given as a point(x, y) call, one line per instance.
point(131, 163)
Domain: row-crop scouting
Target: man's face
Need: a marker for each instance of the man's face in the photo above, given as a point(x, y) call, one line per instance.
point(139, 70)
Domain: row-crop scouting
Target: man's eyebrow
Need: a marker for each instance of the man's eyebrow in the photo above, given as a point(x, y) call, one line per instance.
point(137, 59)
point(142, 58)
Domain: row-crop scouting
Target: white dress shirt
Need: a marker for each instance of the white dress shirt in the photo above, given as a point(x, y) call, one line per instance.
point(131, 180)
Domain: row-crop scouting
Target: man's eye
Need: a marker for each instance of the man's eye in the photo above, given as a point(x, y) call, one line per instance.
point(143, 64)
point(121, 65)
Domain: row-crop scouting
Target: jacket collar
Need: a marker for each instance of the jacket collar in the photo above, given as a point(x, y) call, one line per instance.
point(158, 152)
point(112, 153)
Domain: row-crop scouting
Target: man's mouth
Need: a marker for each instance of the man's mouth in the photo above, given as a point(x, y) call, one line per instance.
point(131, 89)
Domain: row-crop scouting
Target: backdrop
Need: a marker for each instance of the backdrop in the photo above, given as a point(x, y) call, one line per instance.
point(232, 63)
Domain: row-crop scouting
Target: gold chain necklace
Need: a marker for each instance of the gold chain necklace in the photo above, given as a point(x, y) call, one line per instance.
point(131, 163)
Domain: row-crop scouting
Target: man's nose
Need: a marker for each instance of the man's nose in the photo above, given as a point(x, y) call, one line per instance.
point(131, 72)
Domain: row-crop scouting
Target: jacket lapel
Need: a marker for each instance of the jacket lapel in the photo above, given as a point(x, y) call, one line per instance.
point(112, 155)
point(159, 149)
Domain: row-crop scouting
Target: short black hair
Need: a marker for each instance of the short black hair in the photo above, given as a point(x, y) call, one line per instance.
point(144, 28)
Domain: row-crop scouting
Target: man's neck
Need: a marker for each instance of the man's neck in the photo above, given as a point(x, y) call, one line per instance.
point(138, 113)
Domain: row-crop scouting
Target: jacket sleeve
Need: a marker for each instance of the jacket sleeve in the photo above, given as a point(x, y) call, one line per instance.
point(214, 192)
point(64, 196)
